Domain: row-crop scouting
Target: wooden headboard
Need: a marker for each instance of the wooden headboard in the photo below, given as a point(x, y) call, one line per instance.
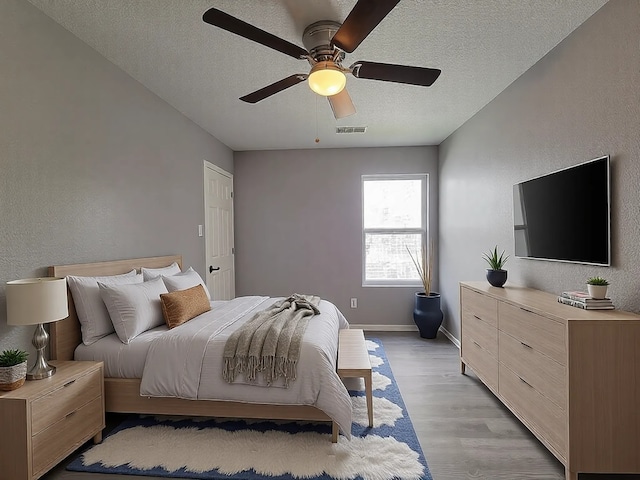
point(65, 334)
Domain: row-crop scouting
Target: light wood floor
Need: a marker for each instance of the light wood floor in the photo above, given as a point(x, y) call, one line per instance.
point(465, 432)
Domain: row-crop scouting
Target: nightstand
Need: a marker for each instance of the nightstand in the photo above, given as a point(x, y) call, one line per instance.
point(45, 420)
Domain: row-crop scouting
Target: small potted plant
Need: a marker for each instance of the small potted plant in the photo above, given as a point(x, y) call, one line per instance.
point(13, 369)
point(597, 287)
point(496, 275)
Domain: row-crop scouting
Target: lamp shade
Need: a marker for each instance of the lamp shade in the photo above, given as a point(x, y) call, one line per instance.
point(326, 79)
point(36, 300)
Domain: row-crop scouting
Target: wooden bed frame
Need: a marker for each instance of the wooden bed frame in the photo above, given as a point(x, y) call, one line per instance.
point(122, 395)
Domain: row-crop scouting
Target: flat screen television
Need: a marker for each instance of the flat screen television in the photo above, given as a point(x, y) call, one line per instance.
point(565, 215)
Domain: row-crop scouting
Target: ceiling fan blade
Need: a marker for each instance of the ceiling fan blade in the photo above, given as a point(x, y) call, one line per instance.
point(274, 88)
point(363, 18)
point(388, 72)
point(231, 24)
point(341, 104)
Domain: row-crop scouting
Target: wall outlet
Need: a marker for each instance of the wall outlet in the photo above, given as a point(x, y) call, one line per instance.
point(354, 303)
point(200, 230)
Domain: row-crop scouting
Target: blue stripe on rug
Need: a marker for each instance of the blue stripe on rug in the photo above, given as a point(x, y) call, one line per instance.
point(219, 449)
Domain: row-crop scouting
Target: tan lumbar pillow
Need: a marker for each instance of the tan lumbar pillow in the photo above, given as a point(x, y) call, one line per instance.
point(182, 305)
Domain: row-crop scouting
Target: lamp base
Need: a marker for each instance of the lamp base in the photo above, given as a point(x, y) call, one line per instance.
point(39, 374)
point(41, 369)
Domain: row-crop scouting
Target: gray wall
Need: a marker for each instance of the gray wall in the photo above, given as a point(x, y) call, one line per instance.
point(579, 102)
point(93, 166)
point(298, 225)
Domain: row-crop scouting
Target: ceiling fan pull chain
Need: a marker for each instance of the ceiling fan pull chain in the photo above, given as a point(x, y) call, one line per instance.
point(317, 138)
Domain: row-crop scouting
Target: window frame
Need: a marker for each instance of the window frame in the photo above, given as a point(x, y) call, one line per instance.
point(423, 231)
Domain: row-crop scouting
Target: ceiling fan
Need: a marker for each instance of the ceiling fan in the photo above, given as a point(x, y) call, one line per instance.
point(326, 43)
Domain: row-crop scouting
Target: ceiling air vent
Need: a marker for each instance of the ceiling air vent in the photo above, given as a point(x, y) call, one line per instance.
point(351, 129)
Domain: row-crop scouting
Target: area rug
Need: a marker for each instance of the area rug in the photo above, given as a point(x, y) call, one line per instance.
point(205, 448)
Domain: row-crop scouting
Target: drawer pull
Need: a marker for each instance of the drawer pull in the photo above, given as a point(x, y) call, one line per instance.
point(69, 414)
point(524, 381)
point(525, 345)
point(525, 310)
point(69, 383)
point(476, 344)
point(476, 316)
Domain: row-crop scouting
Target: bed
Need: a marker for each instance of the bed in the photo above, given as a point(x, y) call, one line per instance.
point(122, 395)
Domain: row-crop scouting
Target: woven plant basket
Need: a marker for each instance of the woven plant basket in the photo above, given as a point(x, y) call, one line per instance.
point(13, 377)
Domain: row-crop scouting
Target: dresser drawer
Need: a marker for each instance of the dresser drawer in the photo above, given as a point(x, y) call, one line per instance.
point(56, 405)
point(540, 333)
point(481, 306)
point(541, 372)
point(543, 416)
point(481, 361)
point(64, 436)
point(480, 331)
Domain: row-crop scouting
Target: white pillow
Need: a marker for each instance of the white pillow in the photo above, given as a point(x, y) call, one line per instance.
point(92, 313)
point(151, 273)
point(134, 308)
point(187, 279)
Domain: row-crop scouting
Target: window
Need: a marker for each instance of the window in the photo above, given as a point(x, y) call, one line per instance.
point(394, 219)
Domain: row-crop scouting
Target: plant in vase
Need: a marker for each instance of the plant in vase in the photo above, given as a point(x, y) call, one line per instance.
point(13, 369)
point(597, 287)
point(496, 275)
point(427, 314)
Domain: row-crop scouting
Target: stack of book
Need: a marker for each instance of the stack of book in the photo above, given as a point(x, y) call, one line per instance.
point(583, 300)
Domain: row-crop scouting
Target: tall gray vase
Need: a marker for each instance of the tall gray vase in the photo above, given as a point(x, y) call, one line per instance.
point(427, 314)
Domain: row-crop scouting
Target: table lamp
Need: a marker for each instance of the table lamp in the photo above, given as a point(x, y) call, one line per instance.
point(35, 301)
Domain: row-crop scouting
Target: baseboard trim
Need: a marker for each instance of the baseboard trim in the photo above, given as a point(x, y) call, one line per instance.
point(450, 336)
point(403, 328)
point(385, 328)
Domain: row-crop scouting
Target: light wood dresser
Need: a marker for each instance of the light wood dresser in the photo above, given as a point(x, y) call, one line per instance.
point(45, 420)
point(571, 376)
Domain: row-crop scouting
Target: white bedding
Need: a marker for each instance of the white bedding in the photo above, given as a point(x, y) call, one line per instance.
point(123, 360)
point(120, 360)
point(186, 362)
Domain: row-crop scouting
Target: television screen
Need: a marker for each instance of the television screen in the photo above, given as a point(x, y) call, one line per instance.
point(565, 215)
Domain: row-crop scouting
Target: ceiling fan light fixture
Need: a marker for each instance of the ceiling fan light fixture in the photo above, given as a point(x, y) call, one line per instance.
point(326, 79)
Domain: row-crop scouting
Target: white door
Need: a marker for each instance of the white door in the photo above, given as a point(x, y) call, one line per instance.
point(218, 204)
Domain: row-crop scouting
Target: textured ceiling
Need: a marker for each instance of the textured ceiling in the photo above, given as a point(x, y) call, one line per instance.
point(480, 46)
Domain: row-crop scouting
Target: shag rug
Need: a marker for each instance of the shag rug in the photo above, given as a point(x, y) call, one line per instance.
point(205, 448)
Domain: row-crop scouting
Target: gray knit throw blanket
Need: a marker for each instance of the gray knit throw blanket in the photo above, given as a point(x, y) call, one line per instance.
point(270, 342)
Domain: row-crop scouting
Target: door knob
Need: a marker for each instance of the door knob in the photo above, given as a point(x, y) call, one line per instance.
point(211, 269)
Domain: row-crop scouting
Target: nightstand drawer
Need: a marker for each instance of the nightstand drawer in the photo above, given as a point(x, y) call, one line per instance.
point(64, 436)
point(56, 405)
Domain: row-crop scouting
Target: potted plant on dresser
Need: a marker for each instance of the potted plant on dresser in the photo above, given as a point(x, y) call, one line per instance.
point(13, 369)
point(427, 313)
point(597, 287)
point(496, 275)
